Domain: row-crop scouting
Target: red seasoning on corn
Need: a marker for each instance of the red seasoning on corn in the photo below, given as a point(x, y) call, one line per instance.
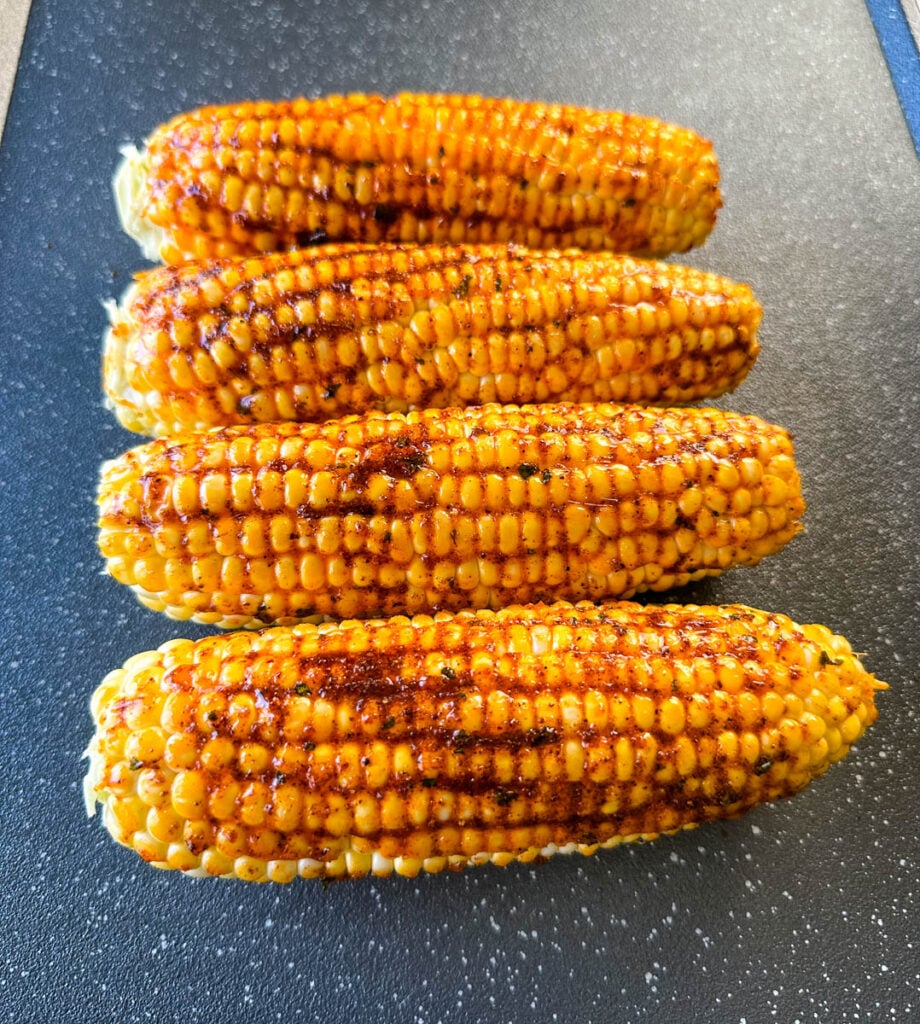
point(443, 510)
point(409, 745)
point(252, 177)
point(321, 333)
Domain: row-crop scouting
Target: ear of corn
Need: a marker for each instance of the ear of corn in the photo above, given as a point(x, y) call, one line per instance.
point(253, 177)
point(444, 509)
point(315, 334)
point(407, 745)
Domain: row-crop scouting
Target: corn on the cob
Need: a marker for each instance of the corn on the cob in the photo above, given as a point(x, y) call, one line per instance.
point(253, 177)
point(406, 745)
point(314, 334)
point(443, 509)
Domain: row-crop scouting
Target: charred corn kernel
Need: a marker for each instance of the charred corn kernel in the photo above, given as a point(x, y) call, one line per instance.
point(425, 743)
point(415, 168)
point(174, 314)
point(530, 523)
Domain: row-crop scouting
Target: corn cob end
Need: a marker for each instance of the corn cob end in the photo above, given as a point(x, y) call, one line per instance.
point(118, 395)
point(129, 183)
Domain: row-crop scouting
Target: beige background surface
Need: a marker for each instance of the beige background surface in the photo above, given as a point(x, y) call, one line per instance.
point(13, 14)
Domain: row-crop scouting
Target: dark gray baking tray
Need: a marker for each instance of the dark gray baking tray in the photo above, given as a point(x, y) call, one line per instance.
point(804, 911)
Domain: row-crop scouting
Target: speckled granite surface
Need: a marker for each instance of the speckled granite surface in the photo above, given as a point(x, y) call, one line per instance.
point(804, 911)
